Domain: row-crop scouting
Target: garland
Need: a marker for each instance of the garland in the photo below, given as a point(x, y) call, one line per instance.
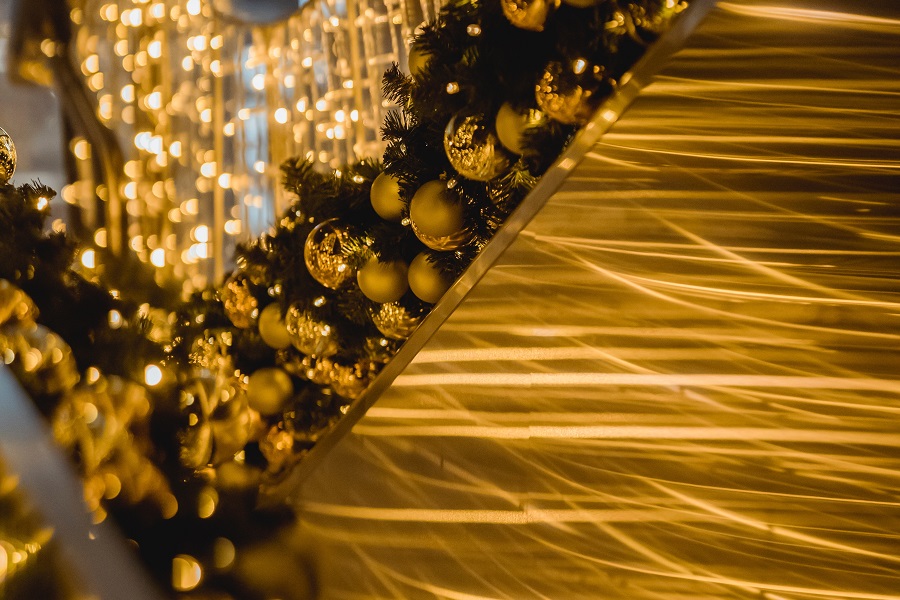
point(201, 403)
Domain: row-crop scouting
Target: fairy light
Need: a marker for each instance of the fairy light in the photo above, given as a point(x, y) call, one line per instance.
point(124, 58)
point(153, 375)
point(88, 259)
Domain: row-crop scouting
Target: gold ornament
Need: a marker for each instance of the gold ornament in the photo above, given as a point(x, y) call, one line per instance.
point(562, 93)
point(211, 351)
point(350, 381)
point(272, 329)
point(233, 423)
point(393, 320)
point(219, 420)
point(41, 360)
point(323, 254)
point(308, 335)
point(15, 305)
point(383, 281)
point(7, 157)
point(241, 306)
point(277, 446)
point(269, 389)
point(426, 281)
point(385, 197)
point(417, 61)
point(473, 148)
point(647, 20)
point(437, 217)
point(104, 425)
point(529, 14)
point(511, 125)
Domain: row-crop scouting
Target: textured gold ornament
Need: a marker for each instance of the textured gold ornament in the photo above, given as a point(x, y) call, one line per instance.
point(308, 335)
point(563, 99)
point(277, 446)
point(645, 20)
point(211, 350)
point(219, 422)
point(394, 321)
point(437, 218)
point(8, 157)
point(42, 361)
point(104, 425)
point(241, 306)
point(529, 14)
point(323, 254)
point(473, 148)
point(15, 305)
point(350, 381)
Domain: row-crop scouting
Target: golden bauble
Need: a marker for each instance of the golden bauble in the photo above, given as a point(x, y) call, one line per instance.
point(350, 381)
point(241, 306)
point(385, 197)
point(511, 125)
point(562, 98)
point(269, 389)
point(272, 329)
point(41, 360)
point(426, 281)
point(383, 281)
point(394, 321)
point(233, 424)
point(529, 14)
point(646, 20)
point(324, 256)
point(417, 60)
point(15, 305)
point(436, 217)
point(277, 446)
point(7, 157)
point(309, 335)
point(473, 148)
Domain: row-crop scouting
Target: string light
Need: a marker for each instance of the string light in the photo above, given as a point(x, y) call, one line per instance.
point(171, 113)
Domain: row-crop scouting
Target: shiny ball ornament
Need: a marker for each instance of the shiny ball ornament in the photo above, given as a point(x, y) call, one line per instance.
point(277, 446)
point(324, 256)
point(511, 125)
point(272, 329)
point(646, 20)
point(529, 14)
point(269, 389)
point(383, 281)
point(473, 148)
point(241, 306)
point(350, 381)
point(41, 360)
point(394, 321)
point(8, 157)
point(15, 305)
point(233, 423)
point(417, 61)
point(308, 335)
point(426, 281)
point(385, 197)
point(571, 94)
point(437, 217)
